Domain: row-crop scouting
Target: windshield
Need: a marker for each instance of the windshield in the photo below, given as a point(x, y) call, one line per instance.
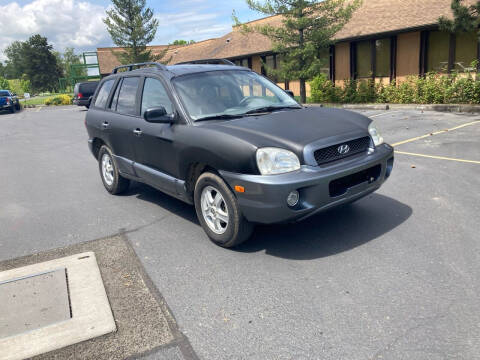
point(229, 93)
point(4, 93)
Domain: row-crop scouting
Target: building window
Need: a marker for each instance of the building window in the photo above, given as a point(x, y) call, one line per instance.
point(324, 56)
point(242, 62)
point(438, 51)
point(382, 57)
point(466, 45)
point(364, 59)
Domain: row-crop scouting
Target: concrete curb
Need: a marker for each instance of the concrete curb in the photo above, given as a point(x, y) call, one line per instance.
point(462, 108)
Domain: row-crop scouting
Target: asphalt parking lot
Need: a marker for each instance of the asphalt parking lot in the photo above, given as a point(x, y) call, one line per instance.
point(392, 276)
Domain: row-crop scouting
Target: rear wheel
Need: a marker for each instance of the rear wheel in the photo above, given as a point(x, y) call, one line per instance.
point(218, 212)
point(112, 180)
point(12, 108)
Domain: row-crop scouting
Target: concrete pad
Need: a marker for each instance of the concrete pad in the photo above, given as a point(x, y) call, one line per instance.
point(90, 309)
point(33, 302)
point(145, 326)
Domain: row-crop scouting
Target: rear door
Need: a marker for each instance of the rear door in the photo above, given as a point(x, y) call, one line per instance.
point(123, 119)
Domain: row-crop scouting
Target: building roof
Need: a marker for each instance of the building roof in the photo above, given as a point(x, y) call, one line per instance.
point(387, 15)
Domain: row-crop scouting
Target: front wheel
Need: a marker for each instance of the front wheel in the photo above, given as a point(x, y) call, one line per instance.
point(218, 212)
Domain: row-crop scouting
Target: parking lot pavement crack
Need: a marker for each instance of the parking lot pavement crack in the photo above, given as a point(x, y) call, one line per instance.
point(380, 354)
point(141, 227)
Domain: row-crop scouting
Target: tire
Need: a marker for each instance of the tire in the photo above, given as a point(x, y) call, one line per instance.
point(12, 109)
point(18, 107)
point(112, 180)
point(227, 234)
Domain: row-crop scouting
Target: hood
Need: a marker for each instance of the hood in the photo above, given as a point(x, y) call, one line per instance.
point(293, 129)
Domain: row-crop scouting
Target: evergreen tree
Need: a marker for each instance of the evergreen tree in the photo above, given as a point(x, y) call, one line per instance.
point(308, 27)
point(132, 26)
point(466, 18)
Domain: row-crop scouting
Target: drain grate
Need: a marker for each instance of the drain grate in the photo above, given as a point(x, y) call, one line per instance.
point(33, 302)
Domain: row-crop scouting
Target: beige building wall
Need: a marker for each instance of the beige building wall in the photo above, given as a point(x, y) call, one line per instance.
point(408, 55)
point(342, 62)
point(294, 85)
point(257, 64)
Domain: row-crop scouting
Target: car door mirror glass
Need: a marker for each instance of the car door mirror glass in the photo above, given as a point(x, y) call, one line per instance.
point(290, 92)
point(158, 115)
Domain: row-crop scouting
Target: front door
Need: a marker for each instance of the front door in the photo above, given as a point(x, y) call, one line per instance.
point(155, 157)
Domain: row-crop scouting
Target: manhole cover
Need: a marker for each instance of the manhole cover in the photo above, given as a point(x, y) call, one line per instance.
point(33, 302)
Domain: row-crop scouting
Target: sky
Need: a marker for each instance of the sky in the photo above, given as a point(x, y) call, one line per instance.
point(78, 23)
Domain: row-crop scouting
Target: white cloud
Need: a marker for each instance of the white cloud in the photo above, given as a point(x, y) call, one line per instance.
point(63, 22)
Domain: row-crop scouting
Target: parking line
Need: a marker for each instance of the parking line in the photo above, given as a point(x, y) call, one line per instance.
point(385, 113)
point(436, 133)
point(437, 157)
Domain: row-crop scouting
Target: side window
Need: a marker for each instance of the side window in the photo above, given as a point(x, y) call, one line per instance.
point(113, 103)
point(154, 95)
point(102, 96)
point(126, 103)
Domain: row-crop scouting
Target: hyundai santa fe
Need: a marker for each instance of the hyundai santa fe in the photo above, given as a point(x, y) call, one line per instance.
point(232, 143)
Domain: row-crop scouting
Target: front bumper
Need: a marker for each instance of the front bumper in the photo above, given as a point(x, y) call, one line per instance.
point(320, 188)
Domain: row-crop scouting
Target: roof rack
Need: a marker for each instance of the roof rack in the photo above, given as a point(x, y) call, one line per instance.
point(131, 66)
point(208, 61)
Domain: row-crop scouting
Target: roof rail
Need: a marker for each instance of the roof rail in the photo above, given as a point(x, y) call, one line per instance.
point(208, 61)
point(131, 66)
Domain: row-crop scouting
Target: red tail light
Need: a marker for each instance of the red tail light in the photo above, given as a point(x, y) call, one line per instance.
point(8, 101)
point(79, 95)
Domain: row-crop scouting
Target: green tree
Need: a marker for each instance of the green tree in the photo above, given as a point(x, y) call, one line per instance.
point(132, 26)
point(40, 64)
point(15, 65)
point(466, 18)
point(4, 85)
point(307, 29)
point(183, 42)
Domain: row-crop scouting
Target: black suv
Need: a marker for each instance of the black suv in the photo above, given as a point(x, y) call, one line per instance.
point(233, 143)
point(83, 92)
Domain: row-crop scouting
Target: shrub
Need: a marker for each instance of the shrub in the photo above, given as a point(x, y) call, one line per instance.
point(323, 90)
point(62, 99)
point(434, 88)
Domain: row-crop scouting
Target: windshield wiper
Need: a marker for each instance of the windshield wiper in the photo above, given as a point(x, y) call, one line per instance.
point(218, 117)
point(272, 108)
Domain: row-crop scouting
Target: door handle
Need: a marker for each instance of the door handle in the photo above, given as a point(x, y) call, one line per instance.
point(137, 132)
point(105, 124)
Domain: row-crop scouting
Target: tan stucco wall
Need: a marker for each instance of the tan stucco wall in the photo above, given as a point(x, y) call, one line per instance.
point(294, 85)
point(342, 62)
point(408, 55)
point(257, 64)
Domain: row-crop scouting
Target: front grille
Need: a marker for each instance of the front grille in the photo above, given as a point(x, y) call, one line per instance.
point(331, 153)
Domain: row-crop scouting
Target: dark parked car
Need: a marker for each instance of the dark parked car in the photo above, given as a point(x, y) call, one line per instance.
point(82, 93)
point(232, 143)
point(9, 101)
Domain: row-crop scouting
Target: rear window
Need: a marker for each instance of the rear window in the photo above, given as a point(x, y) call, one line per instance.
point(88, 87)
point(4, 93)
point(126, 103)
point(102, 96)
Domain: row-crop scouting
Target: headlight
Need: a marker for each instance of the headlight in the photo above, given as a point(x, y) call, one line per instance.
point(276, 161)
point(377, 138)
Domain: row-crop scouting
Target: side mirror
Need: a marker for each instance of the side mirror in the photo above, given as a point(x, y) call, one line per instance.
point(158, 115)
point(290, 92)
point(90, 100)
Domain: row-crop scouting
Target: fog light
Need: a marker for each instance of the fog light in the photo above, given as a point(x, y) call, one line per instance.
point(292, 198)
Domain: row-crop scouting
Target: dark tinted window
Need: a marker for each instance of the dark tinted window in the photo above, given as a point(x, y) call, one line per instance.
point(155, 95)
point(88, 87)
point(382, 55)
point(113, 103)
point(4, 93)
point(127, 96)
point(438, 48)
point(102, 96)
